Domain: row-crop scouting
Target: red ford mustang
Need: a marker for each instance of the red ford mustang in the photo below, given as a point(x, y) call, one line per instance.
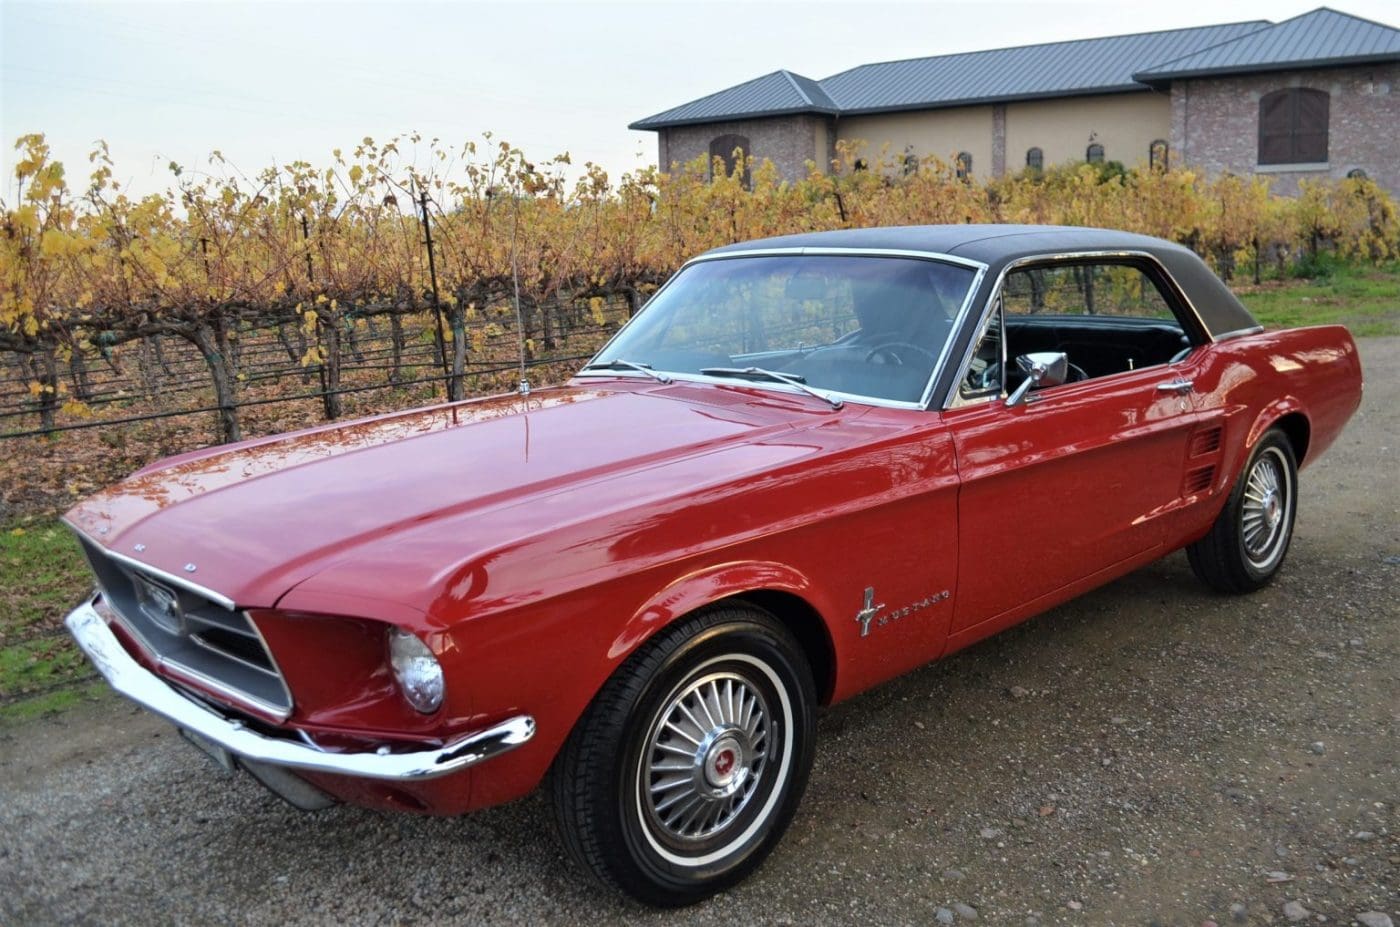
point(805, 467)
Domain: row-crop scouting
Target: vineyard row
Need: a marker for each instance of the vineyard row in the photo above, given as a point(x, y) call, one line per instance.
point(373, 262)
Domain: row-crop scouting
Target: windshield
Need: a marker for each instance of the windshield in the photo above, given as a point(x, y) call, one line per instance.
point(864, 326)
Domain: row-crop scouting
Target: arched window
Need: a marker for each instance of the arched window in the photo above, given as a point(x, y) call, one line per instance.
point(1094, 153)
point(1157, 154)
point(911, 161)
point(1293, 126)
point(1356, 173)
point(962, 165)
point(729, 149)
point(1035, 159)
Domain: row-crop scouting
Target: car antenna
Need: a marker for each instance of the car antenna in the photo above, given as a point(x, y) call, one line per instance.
point(515, 282)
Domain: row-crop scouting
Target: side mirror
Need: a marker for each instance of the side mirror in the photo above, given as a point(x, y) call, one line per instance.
point(1043, 368)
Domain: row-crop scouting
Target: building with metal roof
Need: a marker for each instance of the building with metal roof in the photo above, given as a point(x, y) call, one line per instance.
point(1316, 95)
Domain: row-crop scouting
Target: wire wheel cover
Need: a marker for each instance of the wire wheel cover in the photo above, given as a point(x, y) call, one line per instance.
point(1264, 514)
point(706, 757)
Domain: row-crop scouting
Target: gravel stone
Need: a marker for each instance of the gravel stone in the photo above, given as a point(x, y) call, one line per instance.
point(1374, 919)
point(965, 911)
point(943, 916)
point(1295, 911)
point(1318, 747)
point(953, 874)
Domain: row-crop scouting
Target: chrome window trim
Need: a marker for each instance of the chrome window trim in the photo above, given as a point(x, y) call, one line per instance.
point(172, 579)
point(954, 399)
point(1239, 333)
point(979, 269)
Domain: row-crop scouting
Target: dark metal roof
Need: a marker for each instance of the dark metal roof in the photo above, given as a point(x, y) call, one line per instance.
point(999, 245)
point(775, 94)
point(1058, 69)
point(1321, 38)
point(1114, 64)
point(1103, 65)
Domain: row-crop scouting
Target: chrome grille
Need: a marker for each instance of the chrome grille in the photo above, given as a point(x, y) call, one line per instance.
point(192, 636)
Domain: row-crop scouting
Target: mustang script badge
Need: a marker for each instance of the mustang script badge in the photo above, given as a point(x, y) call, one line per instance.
point(868, 614)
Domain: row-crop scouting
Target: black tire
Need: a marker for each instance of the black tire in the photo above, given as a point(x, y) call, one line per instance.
point(1246, 545)
point(745, 764)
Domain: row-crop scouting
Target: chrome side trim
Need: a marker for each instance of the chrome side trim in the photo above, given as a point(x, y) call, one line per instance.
point(979, 268)
point(148, 690)
point(171, 578)
point(953, 398)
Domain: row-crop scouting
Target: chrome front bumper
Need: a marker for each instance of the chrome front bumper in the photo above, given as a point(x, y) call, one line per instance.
point(147, 689)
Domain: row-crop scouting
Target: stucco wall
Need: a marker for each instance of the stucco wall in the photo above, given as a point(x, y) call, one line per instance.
point(788, 141)
point(1125, 124)
point(942, 133)
point(1215, 123)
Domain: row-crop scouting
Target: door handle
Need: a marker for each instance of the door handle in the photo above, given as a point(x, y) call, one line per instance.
point(1179, 386)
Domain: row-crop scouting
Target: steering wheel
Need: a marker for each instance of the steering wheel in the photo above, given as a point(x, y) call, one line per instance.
point(899, 354)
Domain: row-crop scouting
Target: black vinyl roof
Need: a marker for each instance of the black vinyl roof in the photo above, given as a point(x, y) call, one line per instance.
point(1115, 64)
point(1000, 245)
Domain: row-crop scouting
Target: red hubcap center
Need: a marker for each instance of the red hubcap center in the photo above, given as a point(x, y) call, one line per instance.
point(724, 762)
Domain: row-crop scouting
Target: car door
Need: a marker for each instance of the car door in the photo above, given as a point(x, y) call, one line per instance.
point(1076, 478)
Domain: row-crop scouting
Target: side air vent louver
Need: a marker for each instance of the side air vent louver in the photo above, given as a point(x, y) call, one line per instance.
point(1206, 441)
point(1199, 479)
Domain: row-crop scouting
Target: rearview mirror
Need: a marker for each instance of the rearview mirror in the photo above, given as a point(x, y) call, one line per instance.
point(1042, 368)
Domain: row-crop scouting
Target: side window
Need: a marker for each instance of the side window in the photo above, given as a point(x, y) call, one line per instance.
point(1107, 317)
point(730, 150)
point(1293, 126)
point(1157, 155)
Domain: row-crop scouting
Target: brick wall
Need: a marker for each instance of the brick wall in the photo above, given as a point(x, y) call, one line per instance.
point(1215, 123)
point(788, 141)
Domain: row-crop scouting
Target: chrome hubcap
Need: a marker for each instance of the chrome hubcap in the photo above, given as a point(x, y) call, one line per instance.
point(706, 756)
point(1265, 509)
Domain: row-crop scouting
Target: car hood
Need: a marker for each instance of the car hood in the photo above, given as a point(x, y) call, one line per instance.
point(252, 520)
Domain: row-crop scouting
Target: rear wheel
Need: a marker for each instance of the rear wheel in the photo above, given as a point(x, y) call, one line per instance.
point(686, 769)
point(1247, 543)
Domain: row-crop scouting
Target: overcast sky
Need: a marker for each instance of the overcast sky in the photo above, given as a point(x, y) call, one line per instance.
point(280, 81)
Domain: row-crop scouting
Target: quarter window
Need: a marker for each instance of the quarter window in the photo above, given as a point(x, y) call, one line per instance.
point(963, 165)
point(1035, 159)
point(1094, 153)
point(1293, 126)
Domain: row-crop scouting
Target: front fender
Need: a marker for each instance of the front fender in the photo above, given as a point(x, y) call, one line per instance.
point(695, 590)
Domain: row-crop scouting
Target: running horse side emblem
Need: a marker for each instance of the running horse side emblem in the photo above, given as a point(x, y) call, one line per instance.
point(868, 613)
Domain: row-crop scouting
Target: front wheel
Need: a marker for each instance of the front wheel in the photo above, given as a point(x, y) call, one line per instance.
point(686, 769)
point(1247, 543)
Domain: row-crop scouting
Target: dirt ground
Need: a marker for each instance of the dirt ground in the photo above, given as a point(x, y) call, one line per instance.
point(1151, 754)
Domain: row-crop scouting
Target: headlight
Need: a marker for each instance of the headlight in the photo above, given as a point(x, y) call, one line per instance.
point(417, 670)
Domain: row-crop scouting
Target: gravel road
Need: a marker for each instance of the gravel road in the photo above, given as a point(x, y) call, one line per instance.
point(1149, 754)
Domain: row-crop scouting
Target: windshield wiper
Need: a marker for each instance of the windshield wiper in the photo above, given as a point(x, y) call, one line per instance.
point(619, 364)
point(758, 373)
